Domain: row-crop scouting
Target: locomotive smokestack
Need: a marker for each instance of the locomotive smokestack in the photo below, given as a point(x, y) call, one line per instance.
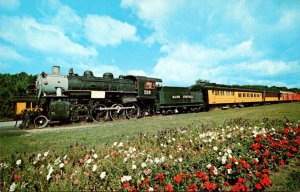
point(56, 70)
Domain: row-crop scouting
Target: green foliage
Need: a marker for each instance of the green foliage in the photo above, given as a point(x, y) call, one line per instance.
point(11, 86)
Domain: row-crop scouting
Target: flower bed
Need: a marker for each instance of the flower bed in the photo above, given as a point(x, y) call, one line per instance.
point(233, 158)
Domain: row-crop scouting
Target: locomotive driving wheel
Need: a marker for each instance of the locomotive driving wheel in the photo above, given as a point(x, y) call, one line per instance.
point(133, 113)
point(118, 112)
point(80, 113)
point(98, 114)
point(40, 122)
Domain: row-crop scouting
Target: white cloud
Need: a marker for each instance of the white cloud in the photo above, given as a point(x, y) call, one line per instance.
point(10, 4)
point(104, 30)
point(8, 53)
point(42, 37)
point(265, 67)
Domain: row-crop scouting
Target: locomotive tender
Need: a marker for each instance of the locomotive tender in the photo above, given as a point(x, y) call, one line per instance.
point(72, 98)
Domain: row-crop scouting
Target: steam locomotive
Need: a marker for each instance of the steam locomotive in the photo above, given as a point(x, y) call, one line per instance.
point(61, 98)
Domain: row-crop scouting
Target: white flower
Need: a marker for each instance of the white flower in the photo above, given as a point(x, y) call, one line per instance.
point(209, 166)
point(95, 156)
point(46, 153)
point(126, 178)
point(102, 175)
point(120, 144)
point(220, 153)
point(115, 144)
point(12, 187)
point(50, 172)
point(229, 151)
point(180, 159)
point(229, 171)
point(65, 157)
point(133, 167)
point(39, 155)
point(151, 189)
point(57, 161)
point(144, 165)
point(173, 139)
point(88, 161)
point(242, 129)
point(224, 160)
point(94, 168)
point(19, 161)
point(61, 165)
point(156, 160)
point(170, 156)
point(215, 148)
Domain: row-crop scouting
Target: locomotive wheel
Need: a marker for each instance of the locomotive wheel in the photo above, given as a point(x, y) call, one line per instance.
point(133, 113)
point(40, 122)
point(99, 115)
point(80, 113)
point(117, 114)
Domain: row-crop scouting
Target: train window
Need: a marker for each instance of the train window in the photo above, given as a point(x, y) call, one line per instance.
point(240, 94)
point(149, 85)
point(244, 94)
point(247, 94)
point(251, 94)
point(213, 92)
point(217, 92)
point(222, 92)
point(232, 93)
point(227, 93)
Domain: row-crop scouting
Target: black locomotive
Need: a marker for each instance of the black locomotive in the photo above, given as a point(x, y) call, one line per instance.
point(68, 98)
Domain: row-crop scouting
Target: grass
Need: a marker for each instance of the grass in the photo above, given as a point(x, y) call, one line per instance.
point(13, 141)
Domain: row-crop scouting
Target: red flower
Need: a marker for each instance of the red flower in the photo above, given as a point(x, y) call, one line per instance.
point(17, 177)
point(126, 185)
point(57, 177)
point(228, 166)
point(210, 186)
point(257, 174)
point(266, 154)
point(258, 186)
point(146, 181)
point(255, 146)
point(113, 154)
point(265, 181)
point(265, 171)
point(241, 180)
point(294, 149)
point(132, 189)
point(226, 184)
point(81, 161)
point(169, 188)
point(281, 163)
point(75, 182)
point(166, 165)
point(155, 186)
point(254, 161)
point(289, 154)
point(159, 176)
point(192, 188)
point(258, 138)
point(202, 176)
point(232, 159)
point(177, 179)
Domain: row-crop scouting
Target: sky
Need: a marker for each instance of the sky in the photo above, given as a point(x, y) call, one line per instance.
point(231, 42)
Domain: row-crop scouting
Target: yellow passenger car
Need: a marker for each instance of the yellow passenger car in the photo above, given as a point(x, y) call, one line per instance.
point(222, 95)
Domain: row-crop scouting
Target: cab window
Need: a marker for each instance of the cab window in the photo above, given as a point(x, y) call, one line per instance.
point(149, 85)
